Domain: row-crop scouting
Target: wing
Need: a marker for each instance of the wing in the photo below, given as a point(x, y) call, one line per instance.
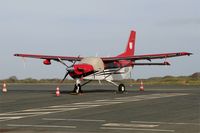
point(146, 57)
point(48, 57)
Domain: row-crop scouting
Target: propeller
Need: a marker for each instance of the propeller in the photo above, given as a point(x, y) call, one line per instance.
point(62, 62)
point(65, 77)
point(74, 62)
point(68, 69)
point(24, 61)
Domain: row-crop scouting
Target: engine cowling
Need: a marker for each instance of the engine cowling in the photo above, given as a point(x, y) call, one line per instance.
point(47, 62)
point(86, 67)
point(95, 62)
point(81, 70)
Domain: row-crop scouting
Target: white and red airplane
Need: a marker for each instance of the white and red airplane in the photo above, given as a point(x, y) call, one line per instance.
point(104, 68)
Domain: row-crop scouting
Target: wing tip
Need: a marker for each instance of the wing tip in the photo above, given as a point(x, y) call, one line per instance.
point(186, 53)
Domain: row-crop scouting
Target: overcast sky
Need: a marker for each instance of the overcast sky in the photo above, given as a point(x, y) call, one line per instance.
point(97, 27)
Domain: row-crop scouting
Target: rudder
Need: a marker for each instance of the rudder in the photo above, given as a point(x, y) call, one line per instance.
point(130, 47)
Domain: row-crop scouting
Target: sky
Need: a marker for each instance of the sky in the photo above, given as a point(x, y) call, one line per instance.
point(97, 28)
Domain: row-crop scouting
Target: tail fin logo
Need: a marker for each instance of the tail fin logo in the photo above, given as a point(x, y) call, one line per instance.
point(130, 45)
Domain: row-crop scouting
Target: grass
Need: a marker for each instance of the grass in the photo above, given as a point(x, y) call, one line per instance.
point(193, 79)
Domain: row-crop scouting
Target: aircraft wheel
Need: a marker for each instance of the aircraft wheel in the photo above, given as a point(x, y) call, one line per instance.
point(121, 88)
point(77, 88)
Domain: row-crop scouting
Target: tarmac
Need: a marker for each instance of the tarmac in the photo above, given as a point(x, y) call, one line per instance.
point(100, 108)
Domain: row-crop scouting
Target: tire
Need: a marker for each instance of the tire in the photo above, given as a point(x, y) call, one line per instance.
point(77, 88)
point(121, 88)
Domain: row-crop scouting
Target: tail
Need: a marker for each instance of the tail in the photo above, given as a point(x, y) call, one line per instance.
point(130, 48)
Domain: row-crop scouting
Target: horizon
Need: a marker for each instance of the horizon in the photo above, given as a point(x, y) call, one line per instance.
point(123, 79)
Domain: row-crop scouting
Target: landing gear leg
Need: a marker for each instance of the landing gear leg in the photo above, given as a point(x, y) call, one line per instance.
point(77, 87)
point(121, 87)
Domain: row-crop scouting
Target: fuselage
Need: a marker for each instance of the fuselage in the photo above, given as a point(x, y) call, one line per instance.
point(93, 68)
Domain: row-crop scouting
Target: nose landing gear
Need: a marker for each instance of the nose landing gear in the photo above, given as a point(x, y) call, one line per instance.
point(77, 88)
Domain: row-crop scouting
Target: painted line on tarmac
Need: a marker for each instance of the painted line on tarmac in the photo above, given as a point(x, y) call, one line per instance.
point(167, 123)
point(8, 101)
point(99, 103)
point(25, 113)
point(82, 105)
point(153, 127)
point(136, 129)
point(40, 126)
point(130, 125)
point(79, 120)
point(10, 116)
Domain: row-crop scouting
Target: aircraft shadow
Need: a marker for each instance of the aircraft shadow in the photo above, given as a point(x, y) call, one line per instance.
point(88, 91)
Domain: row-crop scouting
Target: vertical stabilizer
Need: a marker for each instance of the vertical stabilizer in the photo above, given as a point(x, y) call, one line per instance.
point(130, 47)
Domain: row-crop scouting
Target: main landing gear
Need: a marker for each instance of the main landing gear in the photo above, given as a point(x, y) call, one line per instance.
point(77, 86)
point(121, 87)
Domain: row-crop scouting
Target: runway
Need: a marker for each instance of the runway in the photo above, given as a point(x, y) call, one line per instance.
point(160, 109)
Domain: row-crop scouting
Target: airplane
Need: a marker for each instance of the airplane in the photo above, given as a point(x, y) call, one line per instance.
point(111, 68)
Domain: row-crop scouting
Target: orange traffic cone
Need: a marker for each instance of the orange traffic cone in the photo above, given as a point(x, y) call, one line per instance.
point(57, 91)
point(141, 86)
point(4, 89)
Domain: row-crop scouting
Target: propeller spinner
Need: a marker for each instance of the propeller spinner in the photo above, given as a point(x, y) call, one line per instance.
point(68, 69)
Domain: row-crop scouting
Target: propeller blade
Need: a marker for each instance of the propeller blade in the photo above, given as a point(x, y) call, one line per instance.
point(65, 77)
point(69, 68)
point(62, 62)
point(24, 61)
point(74, 62)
